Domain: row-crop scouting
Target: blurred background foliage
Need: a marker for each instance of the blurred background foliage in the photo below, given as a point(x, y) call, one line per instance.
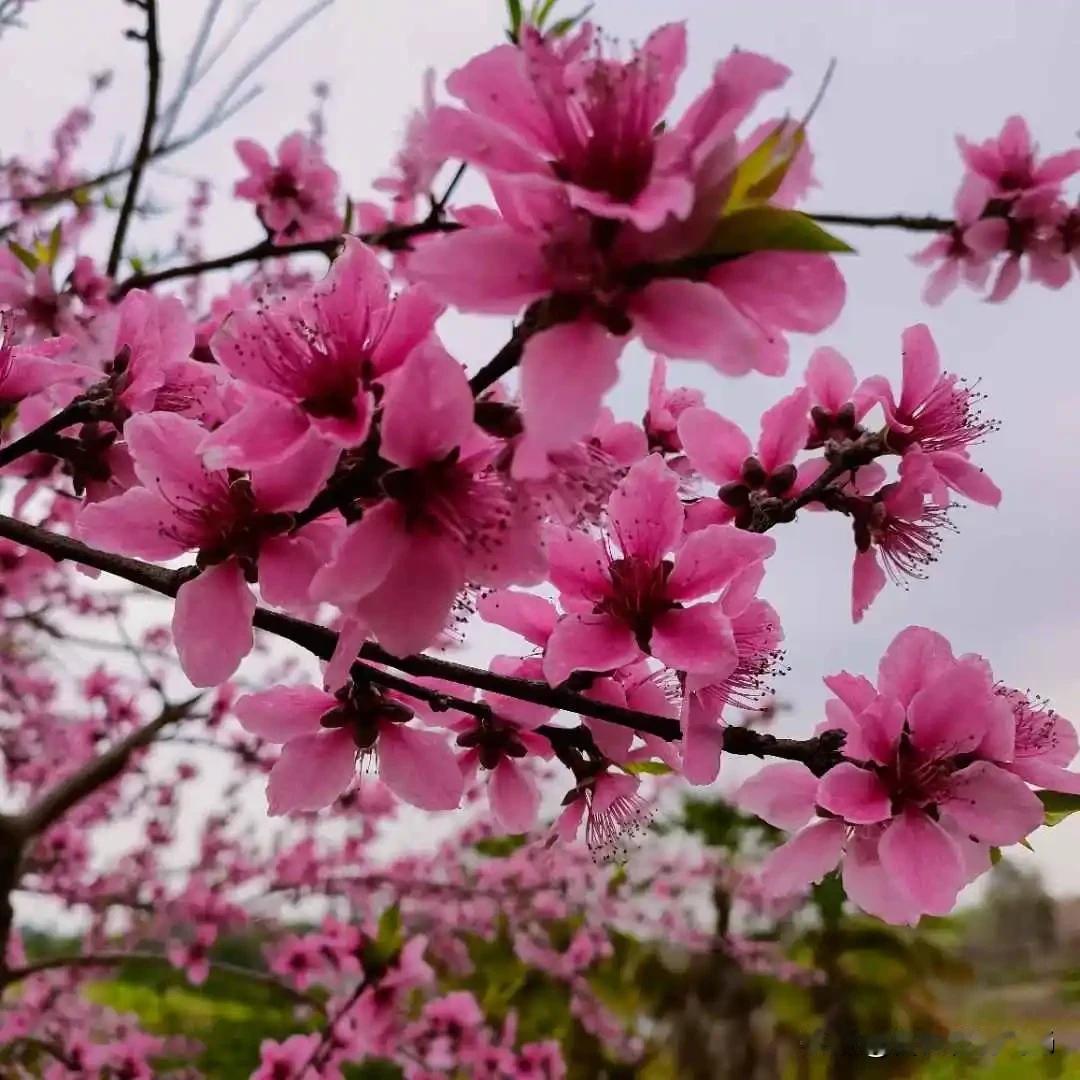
point(991, 992)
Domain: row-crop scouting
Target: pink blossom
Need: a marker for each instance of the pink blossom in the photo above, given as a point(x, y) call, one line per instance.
point(897, 536)
point(756, 630)
point(1009, 165)
point(309, 362)
point(235, 522)
point(957, 256)
point(415, 165)
point(447, 515)
point(665, 408)
point(324, 734)
point(627, 598)
point(193, 957)
point(938, 417)
point(545, 240)
point(32, 369)
point(611, 809)
point(296, 195)
point(287, 1059)
point(926, 791)
point(719, 449)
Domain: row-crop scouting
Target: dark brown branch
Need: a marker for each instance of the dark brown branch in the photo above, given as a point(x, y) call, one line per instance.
point(79, 411)
point(118, 958)
point(888, 221)
point(321, 641)
point(315, 1058)
point(98, 771)
point(145, 148)
point(394, 238)
point(844, 461)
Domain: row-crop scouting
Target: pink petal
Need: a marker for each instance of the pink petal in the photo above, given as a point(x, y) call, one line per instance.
point(587, 643)
point(691, 319)
point(419, 767)
point(1007, 281)
point(867, 580)
point(165, 451)
point(855, 691)
point(881, 724)
point(292, 482)
point(922, 367)
point(507, 269)
point(577, 564)
point(138, 522)
point(286, 566)
point(783, 430)
point(283, 712)
point(830, 379)
point(992, 805)
point(1043, 774)
point(702, 742)
point(532, 617)
point(263, 432)
point(495, 84)
point(791, 290)
point(915, 656)
point(951, 714)
point(716, 446)
point(477, 140)
point(697, 639)
point(646, 512)
point(712, 557)
point(212, 624)
point(782, 795)
point(565, 373)
point(515, 798)
point(311, 772)
point(365, 555)
point(869, 887)
point(964, 476)
point(856, 795)
point(427, 410)
point(806, 858)
point(924, 862)
point(411, 605)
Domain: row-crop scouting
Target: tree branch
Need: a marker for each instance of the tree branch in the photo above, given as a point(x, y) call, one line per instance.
point(321, 641)
point(98, 771)
point(888, 221)
point(393, 238)
point(142, 154)
point(79, 411)
point(118, 958)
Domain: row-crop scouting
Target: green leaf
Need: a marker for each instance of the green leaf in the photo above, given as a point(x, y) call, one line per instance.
point(646, 768)
point(995, 856)
point(347, 221)
point(770, 228)
point(498, 847)
point(564, 26)
point(388, 937)
point(1059, 805)
point(540, 11)
point(759, 175)
point(27, 258)
point(513, 7)
point(54, 244)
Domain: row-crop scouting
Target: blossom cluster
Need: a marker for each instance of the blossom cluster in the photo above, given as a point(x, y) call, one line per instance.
point(330, 473)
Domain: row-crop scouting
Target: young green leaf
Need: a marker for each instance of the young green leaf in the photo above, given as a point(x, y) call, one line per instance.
point(771, 228)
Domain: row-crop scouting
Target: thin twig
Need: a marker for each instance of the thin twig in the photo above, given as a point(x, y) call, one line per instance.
point(118, 958)
point(888, 221)
point(142, 154)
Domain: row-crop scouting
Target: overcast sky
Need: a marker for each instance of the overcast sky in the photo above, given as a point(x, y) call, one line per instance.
point(909, 76)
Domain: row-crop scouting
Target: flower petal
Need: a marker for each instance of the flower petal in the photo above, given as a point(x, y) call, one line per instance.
point(212, 624)
point(311, 772)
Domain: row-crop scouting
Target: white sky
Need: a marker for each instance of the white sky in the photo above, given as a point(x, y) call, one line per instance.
point(909, 76)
